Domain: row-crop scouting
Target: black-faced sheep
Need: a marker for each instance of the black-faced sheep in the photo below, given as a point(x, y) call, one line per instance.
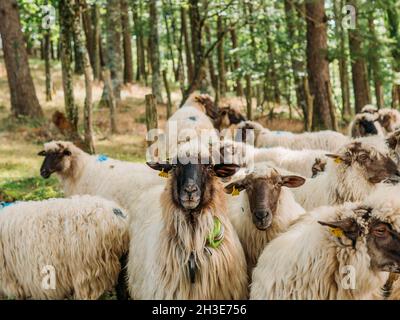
point(81, 173)
point(365, 124)
point(184, 246)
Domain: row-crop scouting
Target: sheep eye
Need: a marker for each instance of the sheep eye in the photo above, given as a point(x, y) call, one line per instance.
point(380, 232)
point(363, 157)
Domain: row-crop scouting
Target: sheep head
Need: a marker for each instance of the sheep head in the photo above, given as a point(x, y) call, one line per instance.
point(368, 161)
point(228, 116)
point(365, 125)
point(388, 118)
point(263, 191)
point(368, 226)
point(192, 179)
point(318, 166)
point(57, 158)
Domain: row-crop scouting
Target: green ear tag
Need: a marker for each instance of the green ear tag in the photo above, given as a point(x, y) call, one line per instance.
point(216, 236)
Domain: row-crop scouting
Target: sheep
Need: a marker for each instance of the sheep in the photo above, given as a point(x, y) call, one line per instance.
point(351, 174)
point(339, 252)
point(389, 119)
point(81, 173)
point(80, 238)
point(365, 124)
point(306, 162)
point(322, 140)
point(184, 246)
point(263, 209)
point(369, 108)
point(188, 123)
point(393, 142)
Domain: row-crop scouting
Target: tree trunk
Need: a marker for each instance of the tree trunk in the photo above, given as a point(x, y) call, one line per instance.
point(140, 56)
point(342, 58)
point(87, 25)
point(188, 51)
point(96, 64)
point(111, 101)
point(151, 112)
point(66, 13)
point(166, 15)
point(78, 55)
point(248, 97)
point(374, 49)
point(87, 110)
point(127, 42)
point(114, 56)
point(236, 63)
point(317, 63)
point(154, 51)
point(394, 22)
point(221, 57)
point(167, 90)
point(358, 67)
point(297, 64)
point(211, 67)
point(47, 58)
point(24, 101)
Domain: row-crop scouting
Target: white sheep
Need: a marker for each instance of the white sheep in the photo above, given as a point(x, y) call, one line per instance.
point(302, 162)
point(81, 173)
point(322, 140)
point(389, 119)
point(342, 252)
point(365, 124)
point(264, 209)
point(81, 239)
point(350, 175)
point(183, 246)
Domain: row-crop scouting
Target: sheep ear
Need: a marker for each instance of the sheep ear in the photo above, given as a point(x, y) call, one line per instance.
point(166, 167)
point(293, 181)
point(347, 227)
point(224, 170)
point(42, 153)
point(337, 157)
point(237, 185)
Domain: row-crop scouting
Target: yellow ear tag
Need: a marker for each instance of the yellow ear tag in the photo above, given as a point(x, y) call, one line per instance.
point(235, 192)
point(337, 232)
point(163, 174)
point(338, 160)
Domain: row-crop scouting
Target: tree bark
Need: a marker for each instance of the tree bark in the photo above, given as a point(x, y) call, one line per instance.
point(248, 97)
point(96, 63)
point(151, 112)
point(342, 58)
point(236, 63)
point(211, 67)
point(114, 56)
point(127, 42)
point(154, 51)
point(111, 102)
point(188, 50)
point(87, 110)
point(167, 90)
point(393, 22)
point(358, 66)
point(317, 63)
point(47, 58)
point(221, 57)
point(78, 55)
point(24, 101)
point(66, 30)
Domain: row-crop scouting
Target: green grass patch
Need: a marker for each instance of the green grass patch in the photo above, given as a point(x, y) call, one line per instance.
point(32, 188)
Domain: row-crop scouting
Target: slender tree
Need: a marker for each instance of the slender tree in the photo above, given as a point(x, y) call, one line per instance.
point(317, 63)
point(394, 31)
point(24, 101)
point(154, 51)
point(127, 42)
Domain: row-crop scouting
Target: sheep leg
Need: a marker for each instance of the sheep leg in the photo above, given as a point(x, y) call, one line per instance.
point(122, 287)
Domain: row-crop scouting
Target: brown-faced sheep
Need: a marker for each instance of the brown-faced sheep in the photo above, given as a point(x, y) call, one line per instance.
point(389, 119)
point(342, 252)
point(351, 174)
point(264, 209)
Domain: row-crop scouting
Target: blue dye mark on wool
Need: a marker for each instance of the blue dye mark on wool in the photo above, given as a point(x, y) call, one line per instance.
point(193, 118)
point(102, 158)
point(6, 204)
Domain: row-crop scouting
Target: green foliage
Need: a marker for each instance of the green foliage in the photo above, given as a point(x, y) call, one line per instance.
point(33, 188)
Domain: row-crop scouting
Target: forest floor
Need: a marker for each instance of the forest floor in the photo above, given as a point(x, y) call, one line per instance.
point(20, 141)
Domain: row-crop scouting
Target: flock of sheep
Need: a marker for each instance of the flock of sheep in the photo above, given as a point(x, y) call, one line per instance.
point(270, 215)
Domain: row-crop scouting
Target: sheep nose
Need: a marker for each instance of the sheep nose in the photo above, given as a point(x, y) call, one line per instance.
point(191, 188)
point(261, 214)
